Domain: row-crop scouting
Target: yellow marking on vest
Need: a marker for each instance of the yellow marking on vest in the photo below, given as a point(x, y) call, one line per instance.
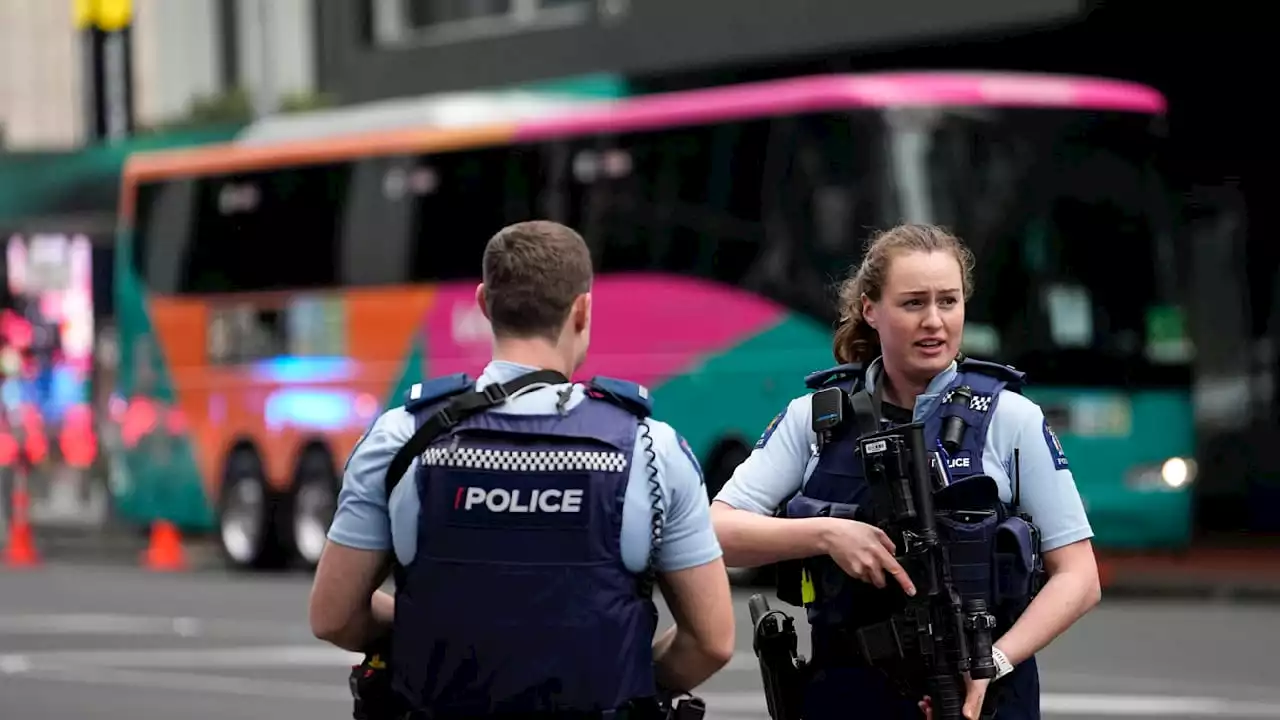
point(807, 593)
point(376, 663)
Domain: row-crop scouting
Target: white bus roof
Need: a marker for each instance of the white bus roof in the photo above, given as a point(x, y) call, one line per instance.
point(447, 110)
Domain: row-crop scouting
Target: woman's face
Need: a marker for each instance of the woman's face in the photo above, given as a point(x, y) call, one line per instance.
point(920, 314)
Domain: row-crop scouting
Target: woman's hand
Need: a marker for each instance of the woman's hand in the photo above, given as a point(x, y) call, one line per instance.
point(975, 691)
point(864, 552)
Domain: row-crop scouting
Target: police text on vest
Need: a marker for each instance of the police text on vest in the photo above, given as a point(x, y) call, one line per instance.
point(516, 501)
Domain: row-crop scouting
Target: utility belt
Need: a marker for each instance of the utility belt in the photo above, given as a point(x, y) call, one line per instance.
point(688, 708)
point(370, 684)
point(630, 711)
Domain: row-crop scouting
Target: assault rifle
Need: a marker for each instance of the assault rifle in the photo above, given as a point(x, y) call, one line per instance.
point(936, 635)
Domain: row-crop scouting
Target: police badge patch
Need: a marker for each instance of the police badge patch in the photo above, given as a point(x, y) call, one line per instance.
point(359, 442)
point(688, 452)
point(1055, 448)
point(768, 429)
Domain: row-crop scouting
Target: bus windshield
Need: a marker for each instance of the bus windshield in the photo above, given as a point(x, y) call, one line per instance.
point(1077, 272)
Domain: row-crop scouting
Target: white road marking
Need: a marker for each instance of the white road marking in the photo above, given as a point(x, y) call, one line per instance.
point(1066, 681)
point(190, 659)
point(164, 670)
point(254, 656)
point(134, 670)
point(93, 624)
point(1155, 706)
point(1069, 704)
point(720, 705)
point(106, 624)
point(191, 682)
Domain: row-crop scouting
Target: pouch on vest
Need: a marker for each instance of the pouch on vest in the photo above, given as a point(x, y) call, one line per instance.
point(970, 512)
point(1016, 566)
point(788, 575)
point(796, 576)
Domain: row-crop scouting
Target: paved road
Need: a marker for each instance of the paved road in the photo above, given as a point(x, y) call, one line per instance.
point(120, 644)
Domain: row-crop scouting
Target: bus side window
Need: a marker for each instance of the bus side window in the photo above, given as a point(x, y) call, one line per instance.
point(166, 212)
point(557, 196)
point(460, 200)
point(377, 224)
point(289, 221)
point(683, 201)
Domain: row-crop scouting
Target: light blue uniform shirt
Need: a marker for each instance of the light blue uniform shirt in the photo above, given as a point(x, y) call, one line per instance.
point(787, 453)
point(688, 539)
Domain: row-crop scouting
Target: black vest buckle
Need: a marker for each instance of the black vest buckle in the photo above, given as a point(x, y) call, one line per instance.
point(445, 419)
point(495, 393)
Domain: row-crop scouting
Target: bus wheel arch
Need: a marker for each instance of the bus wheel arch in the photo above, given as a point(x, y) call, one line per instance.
point(247, 511)
point(726, 454)
point(313, 498)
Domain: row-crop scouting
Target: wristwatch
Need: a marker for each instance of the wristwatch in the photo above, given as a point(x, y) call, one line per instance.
point(1003, 666)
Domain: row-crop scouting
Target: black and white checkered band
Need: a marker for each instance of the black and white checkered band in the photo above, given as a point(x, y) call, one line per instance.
point(527, 461)
point(977, 403)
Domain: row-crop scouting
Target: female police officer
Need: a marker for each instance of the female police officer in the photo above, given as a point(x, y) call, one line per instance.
point(903, 312)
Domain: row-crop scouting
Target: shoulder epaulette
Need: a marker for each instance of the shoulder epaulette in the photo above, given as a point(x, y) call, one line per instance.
point(1014, 378)
point(632, 397)
point(430, 391)
point(839, 373)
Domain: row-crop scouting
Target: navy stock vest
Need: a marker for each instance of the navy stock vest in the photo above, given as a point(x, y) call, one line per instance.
point(517, 601)
point(992, 552)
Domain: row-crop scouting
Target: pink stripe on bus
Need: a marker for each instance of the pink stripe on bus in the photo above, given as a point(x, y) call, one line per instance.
point(846, 92)
point(645, 328)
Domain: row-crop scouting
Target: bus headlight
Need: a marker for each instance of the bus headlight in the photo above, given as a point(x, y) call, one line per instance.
point(1175, 473)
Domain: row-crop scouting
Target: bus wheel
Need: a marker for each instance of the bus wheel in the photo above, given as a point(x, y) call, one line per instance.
point(245, 516)
point(315, 497)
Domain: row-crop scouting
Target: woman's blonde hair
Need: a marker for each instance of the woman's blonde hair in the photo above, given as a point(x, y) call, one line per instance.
point(855, 340)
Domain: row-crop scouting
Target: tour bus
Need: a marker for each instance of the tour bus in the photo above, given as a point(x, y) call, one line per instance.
point(274, 298)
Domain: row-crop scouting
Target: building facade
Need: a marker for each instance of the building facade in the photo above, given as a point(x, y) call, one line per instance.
point(386, 48)
point(181, 51)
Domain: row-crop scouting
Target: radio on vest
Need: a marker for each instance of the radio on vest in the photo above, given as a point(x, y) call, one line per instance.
point(953, 426)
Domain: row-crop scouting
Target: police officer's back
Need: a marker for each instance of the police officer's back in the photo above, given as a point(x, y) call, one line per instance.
point(534, 519)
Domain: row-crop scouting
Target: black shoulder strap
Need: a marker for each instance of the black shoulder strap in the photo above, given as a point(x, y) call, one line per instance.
point(458, 409)
point(866, 409)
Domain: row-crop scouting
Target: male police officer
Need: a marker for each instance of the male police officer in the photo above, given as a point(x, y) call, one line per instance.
point(523, 533)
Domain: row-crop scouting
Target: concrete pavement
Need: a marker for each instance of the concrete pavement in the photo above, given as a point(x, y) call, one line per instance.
point(117, 643)
point(1248, 570)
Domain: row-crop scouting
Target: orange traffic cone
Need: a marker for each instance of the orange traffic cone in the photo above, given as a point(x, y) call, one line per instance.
point(165, 552)
point(20, 551)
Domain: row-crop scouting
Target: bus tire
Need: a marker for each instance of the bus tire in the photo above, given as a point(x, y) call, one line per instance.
point(246, 514)
point(312, 502)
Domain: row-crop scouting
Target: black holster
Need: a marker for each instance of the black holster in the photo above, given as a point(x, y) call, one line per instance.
point(783, 672)
point(688, 707)
point(370, 684)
